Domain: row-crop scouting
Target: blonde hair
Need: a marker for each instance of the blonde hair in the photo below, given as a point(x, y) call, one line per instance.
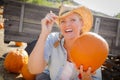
point(56, 44)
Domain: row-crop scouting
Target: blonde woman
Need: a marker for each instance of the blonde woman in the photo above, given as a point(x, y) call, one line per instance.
point(52, 50)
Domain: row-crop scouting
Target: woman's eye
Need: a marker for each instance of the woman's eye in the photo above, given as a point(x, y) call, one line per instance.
point(62, 21)
point(73, 19)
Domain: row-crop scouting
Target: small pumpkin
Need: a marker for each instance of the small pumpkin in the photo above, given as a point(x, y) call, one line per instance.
point(26, 74)
point(15, 59)
point(1, 25)
point(18, 43)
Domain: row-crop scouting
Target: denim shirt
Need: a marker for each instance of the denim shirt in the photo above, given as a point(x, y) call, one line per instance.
point(56, 59)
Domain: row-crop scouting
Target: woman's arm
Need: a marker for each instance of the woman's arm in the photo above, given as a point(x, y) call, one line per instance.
point(37, 63)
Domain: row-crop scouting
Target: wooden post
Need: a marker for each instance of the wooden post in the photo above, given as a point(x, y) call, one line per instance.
point(118, 34)
point(97, 25)
point(21, 17)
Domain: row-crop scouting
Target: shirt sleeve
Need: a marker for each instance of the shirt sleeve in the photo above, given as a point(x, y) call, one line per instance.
point(52, 37)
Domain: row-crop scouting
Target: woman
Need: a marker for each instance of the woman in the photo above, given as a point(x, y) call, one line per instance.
point(52, 50)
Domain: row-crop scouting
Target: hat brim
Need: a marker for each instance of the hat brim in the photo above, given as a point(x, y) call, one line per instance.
point(85, 14)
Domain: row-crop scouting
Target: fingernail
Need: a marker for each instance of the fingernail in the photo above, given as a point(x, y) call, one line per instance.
point(89, 68)
point(81, 66)
point(50, 11)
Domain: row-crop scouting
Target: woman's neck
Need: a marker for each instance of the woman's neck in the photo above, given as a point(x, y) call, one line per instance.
point(67, 45)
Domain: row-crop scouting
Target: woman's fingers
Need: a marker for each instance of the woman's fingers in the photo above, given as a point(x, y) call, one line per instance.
point(81, 69)
point(51, 16)
point(93, 73)
point(47, 22)
point(89, 70)
point(85, 75)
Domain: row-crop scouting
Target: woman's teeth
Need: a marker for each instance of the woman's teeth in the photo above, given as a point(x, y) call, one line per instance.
point(68, 30)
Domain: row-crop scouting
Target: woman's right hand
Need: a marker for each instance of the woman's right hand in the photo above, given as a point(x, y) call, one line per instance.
point(47, 23)
point(86, 75)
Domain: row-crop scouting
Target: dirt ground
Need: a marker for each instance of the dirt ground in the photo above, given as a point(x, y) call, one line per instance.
point(4, 48)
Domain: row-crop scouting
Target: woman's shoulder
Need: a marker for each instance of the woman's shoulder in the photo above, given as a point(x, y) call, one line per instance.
point(54, 34)
point(52, 37)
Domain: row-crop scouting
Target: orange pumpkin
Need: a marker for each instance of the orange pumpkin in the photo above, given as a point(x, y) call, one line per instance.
point(26, 74)
point(1, 25)
point(89, 50)
point(18, 43)
point(15, 60)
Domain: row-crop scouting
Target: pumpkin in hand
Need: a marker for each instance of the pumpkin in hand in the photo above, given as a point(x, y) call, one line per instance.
point(26, 74)
point(89, 50)
point(15, 60)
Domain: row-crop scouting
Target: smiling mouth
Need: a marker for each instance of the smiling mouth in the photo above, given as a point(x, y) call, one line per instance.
point(68, 30)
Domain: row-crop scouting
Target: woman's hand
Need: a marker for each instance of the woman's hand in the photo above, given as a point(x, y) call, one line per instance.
point(47, 23)
point(86, 75)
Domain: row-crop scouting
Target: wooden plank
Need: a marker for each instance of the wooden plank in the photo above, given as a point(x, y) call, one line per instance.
point(34, 15)
point(13, 2)
point(118, 34)
point(41, 8)
point(15, 36)
point(25, 36)
point(21, 18)
point(37, 14)
point(12, 9)
point(26, 20)
point(109, 26)
point(11, 17)
point(11, 25)
point(107, 19)
point(97, 25)
point(108, 33)
point(109, 40)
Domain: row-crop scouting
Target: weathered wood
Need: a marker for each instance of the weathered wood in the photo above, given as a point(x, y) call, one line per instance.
point(11, 25)
point(21, 18)
point(97, 25)
point(12, 9)
point(24, 19)
point(107, 33)
point(106, 27)
point(118, 33)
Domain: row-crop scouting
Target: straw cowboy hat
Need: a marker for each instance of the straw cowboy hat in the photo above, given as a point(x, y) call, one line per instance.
point(84, 12)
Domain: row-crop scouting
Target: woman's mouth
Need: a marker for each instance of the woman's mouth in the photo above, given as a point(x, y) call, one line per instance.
point(68, 30)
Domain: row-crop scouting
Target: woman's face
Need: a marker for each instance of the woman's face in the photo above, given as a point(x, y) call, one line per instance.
point(71, 26)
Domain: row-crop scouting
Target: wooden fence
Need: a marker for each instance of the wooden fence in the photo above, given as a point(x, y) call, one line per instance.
point(22, 23)
point(23, 20)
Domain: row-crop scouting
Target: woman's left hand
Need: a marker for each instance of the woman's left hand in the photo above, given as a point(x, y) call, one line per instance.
point(86, 75)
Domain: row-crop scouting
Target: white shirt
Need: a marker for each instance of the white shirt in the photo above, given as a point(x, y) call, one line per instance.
point(67, 71)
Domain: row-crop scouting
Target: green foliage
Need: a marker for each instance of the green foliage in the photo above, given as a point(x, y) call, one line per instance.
point(23, 0)
point(118, 15)
point(49, 3)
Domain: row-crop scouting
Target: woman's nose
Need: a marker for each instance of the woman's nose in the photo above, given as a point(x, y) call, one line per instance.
point(67, 23)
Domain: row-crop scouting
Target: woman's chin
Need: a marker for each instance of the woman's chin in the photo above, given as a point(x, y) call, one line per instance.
point(69, 37)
